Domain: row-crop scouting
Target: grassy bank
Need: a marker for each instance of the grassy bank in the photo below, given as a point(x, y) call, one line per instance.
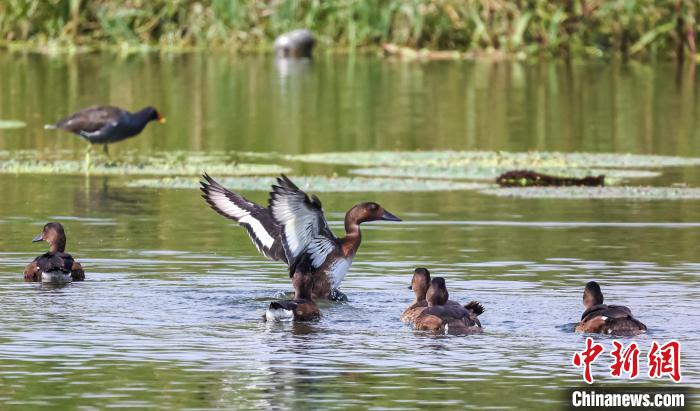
point(643, 29)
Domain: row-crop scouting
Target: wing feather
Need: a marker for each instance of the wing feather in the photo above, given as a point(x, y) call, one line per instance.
point(306, 237)
point(258, 222)
point(91, 120)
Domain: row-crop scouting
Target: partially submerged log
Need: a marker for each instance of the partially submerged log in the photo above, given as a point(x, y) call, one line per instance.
point(529, 178)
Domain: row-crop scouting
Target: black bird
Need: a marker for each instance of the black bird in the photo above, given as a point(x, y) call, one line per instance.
point(107, 124)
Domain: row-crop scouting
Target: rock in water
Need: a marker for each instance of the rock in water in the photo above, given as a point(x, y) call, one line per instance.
point(295, 44)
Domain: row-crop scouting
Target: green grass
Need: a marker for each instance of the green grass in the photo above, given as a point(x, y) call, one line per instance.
point(645, 29)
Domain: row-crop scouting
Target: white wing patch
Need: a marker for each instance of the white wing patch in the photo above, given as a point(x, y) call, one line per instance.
point(319, 249)
point(243, 217)
point(300, 223)
point(338, 270)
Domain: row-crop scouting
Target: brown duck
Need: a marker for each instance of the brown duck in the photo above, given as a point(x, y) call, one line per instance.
point(448, 318)
point(301, 308)
point(419, 284)
point(606, 319)
point(293, 229)
point(56, 265)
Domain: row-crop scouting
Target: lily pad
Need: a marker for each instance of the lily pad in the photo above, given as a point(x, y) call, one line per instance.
point(612, 176)
point(316, 183)
point(157, 164)
point(500, 159)
point(8, 124)
point(577, 193)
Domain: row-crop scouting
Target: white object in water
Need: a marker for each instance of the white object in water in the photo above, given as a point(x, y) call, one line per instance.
point(279, 314)
point(56, 277)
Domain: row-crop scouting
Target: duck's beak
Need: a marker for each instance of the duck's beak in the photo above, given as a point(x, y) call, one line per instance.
point(410, 287)
point(38, 238)
point(389, 217)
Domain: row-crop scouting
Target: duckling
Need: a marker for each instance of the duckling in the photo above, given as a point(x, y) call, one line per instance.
point(448, 318)
point(55, 266)
point(606, 319)
point(301, 308)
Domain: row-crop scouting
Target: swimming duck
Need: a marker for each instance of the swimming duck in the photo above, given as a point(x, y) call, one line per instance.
point(301, 308)
point(294, 230)
point(448, 318)
point(606, 319)
point(107, 124)
point(419, 284)
point(55, 266)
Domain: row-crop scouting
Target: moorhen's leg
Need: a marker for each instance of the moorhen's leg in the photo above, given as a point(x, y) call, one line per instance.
point(337, 295)
point(87, 157)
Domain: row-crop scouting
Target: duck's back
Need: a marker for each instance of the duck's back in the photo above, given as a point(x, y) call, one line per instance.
point(49, 263)
point(413, 311)
point(287, 310)
point(610, 319)
point(55, 262)
point(452, 317)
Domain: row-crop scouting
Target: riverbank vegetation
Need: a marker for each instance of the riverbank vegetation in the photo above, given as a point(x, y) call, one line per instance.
point(640, 29)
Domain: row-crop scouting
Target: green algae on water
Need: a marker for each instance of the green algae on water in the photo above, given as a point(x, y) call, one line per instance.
point(500, 159)
point(156, 164)
point(316, 183)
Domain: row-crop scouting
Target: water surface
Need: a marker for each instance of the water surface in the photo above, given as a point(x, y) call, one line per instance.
point(170, 314)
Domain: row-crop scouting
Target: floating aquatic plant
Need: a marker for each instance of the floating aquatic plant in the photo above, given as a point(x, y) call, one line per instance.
point(618, 192)
point(499, 159)
point(316, 183)
point(8, 124)
point(612, 176)
point(157, 164)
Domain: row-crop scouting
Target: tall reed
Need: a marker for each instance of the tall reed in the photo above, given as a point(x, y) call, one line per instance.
point(646, 29)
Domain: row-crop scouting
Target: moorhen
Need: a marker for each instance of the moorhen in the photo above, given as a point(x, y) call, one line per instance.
point(107, 124)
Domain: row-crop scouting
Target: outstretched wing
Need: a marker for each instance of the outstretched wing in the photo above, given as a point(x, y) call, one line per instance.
point(91, 119)
point(257, 220)
point(306, 237)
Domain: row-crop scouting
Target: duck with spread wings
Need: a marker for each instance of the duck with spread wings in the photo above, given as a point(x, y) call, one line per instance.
point(294, 230)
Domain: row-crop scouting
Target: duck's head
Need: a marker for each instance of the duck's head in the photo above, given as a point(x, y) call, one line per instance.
point(154, 115)
point(370, 211)
point(437, 292)
point(592, 295)
point(53, 234)
point(420, 283)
